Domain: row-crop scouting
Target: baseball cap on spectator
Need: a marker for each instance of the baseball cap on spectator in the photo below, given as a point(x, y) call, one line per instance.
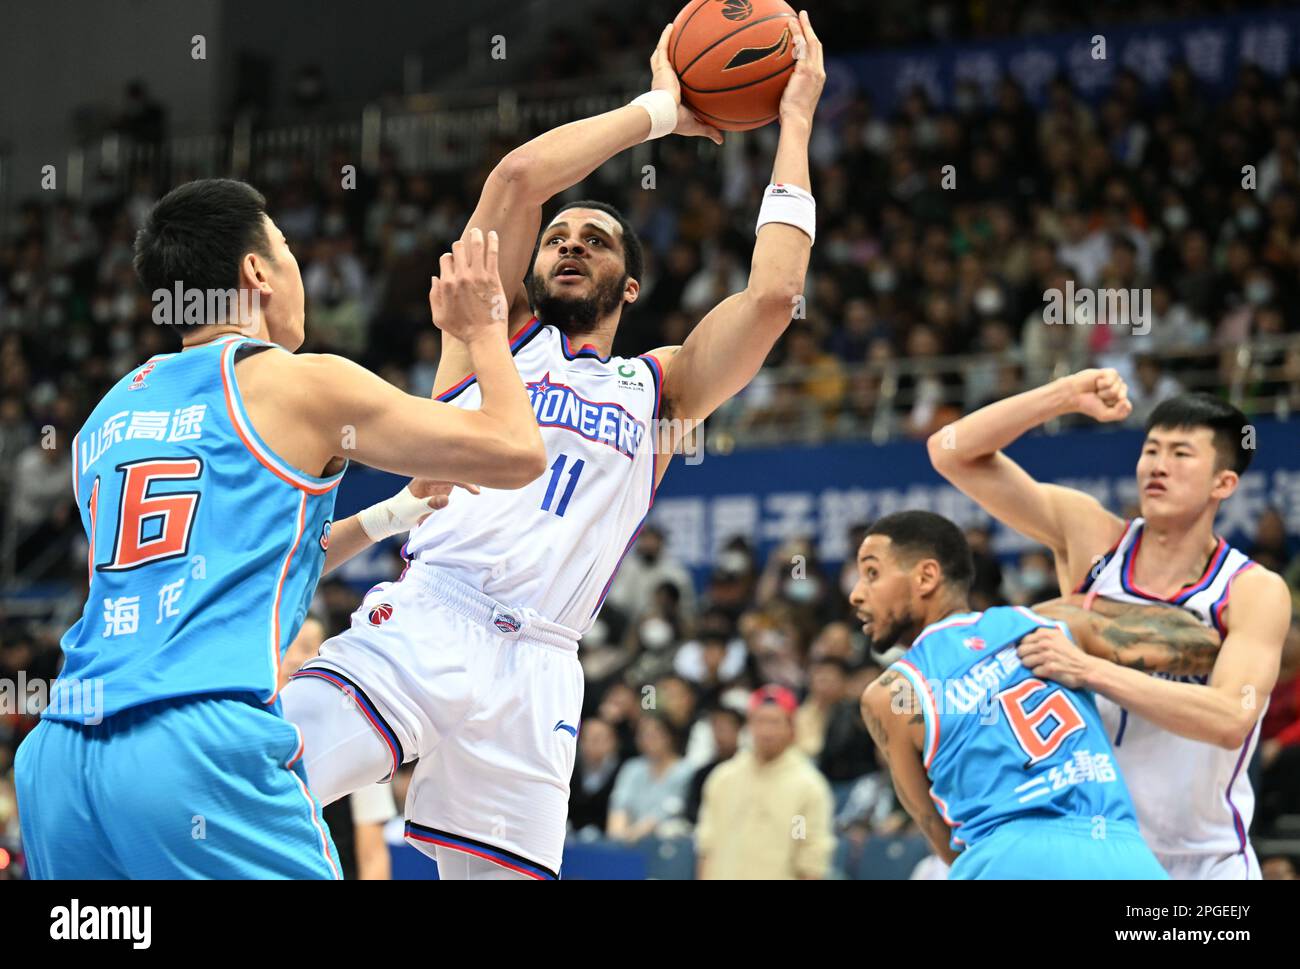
point(771, 693)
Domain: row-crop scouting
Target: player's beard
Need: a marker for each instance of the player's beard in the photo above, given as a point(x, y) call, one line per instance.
point(575, 315)
point(899, 630)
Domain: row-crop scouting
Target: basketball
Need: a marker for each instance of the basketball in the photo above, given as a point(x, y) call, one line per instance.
point(733, 58)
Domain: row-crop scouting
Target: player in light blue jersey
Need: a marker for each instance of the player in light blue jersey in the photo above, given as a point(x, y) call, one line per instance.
point(206, 480)
point(1008, 776)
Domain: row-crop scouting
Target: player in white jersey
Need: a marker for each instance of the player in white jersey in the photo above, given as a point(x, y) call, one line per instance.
point(469, 660)
point(1183, 742)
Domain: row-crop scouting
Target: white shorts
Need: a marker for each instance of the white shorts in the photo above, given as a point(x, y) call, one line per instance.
point(488, 698)
point(1237, 866)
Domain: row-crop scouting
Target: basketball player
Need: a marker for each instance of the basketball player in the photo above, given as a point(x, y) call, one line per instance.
point(469, 661)
point(1183, 741)
point(206, 482)
point(1007, 776)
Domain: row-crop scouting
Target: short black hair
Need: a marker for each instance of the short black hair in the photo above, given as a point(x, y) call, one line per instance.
point(198, 233)
point(633, 254)
point(923, 534)
point(1226, 422)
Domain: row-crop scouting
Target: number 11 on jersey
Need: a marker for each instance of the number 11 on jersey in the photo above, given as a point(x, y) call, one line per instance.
point(557, 472)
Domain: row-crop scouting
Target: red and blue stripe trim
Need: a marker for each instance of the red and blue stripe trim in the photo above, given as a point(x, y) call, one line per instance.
point(657, 375)
point(516, 344)
point(480, 849)
point(1212, 567)
point(365, 705)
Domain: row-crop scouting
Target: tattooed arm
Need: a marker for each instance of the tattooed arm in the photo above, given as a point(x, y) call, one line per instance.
point(891, 714)
point(1153, 639)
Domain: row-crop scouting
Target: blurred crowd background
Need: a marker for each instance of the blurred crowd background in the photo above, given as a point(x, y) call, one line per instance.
point(924, 300)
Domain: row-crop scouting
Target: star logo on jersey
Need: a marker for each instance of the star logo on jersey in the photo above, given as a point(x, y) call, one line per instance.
point(381, 614)
point(604, 422)
point(974, 642)
point(137, 382)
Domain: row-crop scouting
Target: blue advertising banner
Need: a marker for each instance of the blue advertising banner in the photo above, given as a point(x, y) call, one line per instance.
point(1214, 49)
point(771, 495)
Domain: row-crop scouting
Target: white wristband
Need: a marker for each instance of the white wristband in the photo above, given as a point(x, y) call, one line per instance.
point(662, 108)
point(393, 516)
point(789, 205)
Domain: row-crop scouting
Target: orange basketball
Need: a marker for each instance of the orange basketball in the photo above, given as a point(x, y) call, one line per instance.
point(733, 58)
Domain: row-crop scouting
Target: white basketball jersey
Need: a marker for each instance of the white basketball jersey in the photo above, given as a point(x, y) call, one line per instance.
point(551, 549)
point(1191, 797)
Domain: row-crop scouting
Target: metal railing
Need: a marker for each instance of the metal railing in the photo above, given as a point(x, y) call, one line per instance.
point(883, 401)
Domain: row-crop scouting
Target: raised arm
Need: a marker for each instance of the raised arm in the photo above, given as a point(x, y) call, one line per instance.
point(888, 707)
point(969, 454)
point(344, 411)
point(727, 348)
point(532, 174)
point(1151, 639)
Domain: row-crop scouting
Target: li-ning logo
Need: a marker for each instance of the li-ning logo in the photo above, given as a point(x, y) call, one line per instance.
point(752, 55)
point(567, 728)
point(737, 10)
point(381, 614)
point(137, 382)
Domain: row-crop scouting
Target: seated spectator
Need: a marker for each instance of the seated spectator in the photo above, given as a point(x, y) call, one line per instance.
point(726, 724)
point(847, 752)
point(825, 689)
point(766, 813)
point(594, 773)
point(650, 789)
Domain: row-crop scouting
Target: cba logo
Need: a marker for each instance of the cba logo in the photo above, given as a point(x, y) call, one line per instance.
point(737, 10)
point(137, 382)
point(974, 642)
point(325, 536)
point(381, 614)
point(507, 623)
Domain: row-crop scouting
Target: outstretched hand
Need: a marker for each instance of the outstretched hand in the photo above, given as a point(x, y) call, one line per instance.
point(665, 79)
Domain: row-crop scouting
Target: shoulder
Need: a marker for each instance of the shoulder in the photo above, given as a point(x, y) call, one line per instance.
point(729, 769)
point(1260, 589)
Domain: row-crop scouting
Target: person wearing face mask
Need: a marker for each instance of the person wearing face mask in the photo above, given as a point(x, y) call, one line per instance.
point(648, 567)
point(1257, 292)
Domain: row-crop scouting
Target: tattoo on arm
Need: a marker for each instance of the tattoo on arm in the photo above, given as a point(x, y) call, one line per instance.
point(1160, 639)
point(1151, 639)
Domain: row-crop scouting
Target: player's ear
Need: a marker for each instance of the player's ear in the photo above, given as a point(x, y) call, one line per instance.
point(631, 290)
point(252, 273)
point(928, 576)
point(1225, 483)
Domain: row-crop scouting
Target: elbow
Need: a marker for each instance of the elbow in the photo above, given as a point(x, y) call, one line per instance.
point(533, 462)
point(519, 467)
point(942, 448)
point(1234, 734)
point(778, 298)
point(514, 175)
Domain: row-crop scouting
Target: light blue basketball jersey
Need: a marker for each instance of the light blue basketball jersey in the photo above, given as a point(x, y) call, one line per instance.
point(205, 548)
point(1001, 744)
